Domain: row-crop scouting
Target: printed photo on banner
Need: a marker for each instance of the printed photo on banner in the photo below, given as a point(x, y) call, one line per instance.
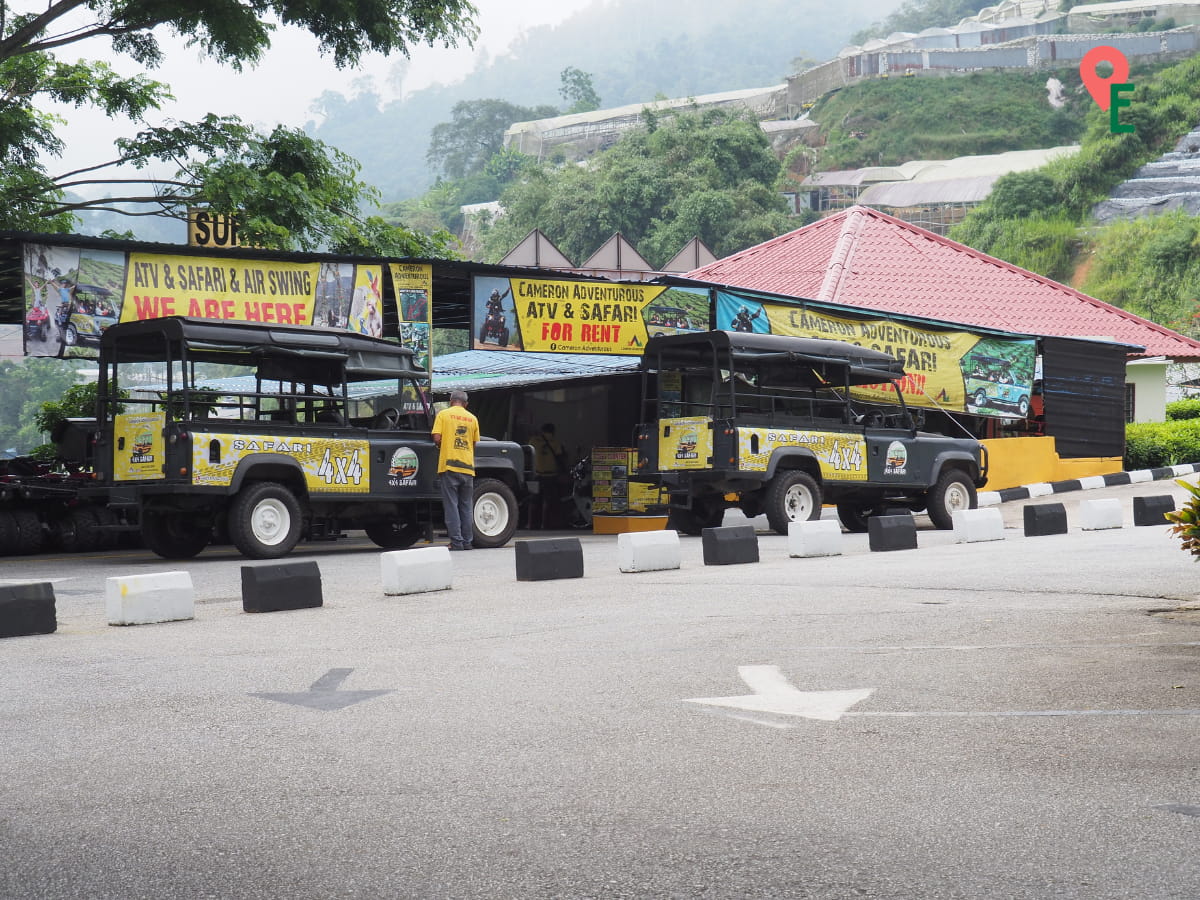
point(412, 284)
point(366, 307)
point(677, 311)
point(335, 289)
point(496, 324)
point(50, 277)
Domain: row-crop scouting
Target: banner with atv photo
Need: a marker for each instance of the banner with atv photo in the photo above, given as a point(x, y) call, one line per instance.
point(552, 316)
point(73, 294)
point(957, 371)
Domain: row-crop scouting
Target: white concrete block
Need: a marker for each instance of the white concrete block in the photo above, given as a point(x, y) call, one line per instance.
point(1091, 483)
point(1041, 489)
point(1097, 515)
point(972, 526)
point(1140, 475)
point(647, 551)
point(416, 571)
point(1182, 470)
point(820, 537)
point(988, 498)
point(145, 599)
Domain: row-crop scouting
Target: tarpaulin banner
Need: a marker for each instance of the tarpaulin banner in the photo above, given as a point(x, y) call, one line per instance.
point(953, 370)
point(413, 287)
point(554, 316)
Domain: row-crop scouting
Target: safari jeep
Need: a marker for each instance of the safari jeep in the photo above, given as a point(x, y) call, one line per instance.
point(273, 434)
point(767, 423)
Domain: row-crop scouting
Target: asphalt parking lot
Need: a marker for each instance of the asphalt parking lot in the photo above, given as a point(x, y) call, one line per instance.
point(1016, 719)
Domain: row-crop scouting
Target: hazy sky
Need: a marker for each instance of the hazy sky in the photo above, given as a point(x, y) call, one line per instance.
point(292, 74)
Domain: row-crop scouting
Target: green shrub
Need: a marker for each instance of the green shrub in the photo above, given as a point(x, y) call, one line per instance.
point(1187, 521)
point(1151, 445)
point(1183, 409)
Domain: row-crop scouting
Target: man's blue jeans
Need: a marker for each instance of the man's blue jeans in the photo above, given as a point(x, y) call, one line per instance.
point(458, 502)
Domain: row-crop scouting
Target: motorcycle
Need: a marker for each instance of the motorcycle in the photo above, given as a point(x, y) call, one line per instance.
point(578, 503)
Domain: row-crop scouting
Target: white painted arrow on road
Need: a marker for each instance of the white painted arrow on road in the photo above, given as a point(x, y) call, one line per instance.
point(773, 694)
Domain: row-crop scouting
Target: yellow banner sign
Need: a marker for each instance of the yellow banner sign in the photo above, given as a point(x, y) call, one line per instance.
point(240, 290)
point(562, 316)
point(329, 465)
point(413, 284)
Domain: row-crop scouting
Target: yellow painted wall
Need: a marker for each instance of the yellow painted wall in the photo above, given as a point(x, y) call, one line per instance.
point(1013, 462)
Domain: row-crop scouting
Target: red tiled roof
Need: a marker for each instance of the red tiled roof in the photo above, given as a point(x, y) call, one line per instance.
point(862, 257)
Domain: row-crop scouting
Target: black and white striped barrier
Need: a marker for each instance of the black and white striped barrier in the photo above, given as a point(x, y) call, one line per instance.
point(1046, 488)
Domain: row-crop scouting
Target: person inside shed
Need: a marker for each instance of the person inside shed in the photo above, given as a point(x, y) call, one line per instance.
point(550, 464)
point(456, 432)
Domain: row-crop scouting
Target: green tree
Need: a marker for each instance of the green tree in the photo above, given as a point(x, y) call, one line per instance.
point(220, 161)
point(24, 387)
point(709, 174)
point(475, 133)
point(578, 91)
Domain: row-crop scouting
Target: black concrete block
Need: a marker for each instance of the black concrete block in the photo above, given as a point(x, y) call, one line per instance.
point(1150, 510)
point(281, 586)
point(27, 609)
point(1044, 519)
point(892, 532)
point(549, 559)
point(729, 545)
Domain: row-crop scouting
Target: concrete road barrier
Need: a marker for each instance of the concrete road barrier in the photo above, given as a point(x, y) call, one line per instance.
point(1151, 510)
point(1045, 519)
point(27, 609)
point(648, 551)
point(977, 525)
point(279, 587)
point(729, 545)
point(147, 599)
point(549, 559)
point(820, 537)
point(416, 571)
point(892, 533)
point(1101, 514)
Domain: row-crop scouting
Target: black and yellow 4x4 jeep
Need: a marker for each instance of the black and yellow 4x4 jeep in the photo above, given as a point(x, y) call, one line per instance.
point(767, 423)
point(307, 432)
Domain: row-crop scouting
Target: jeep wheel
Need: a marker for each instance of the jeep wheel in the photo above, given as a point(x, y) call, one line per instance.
point(854, 516)
point(792, 497)
point(72, 337)
point(172, 534)
point(265, 520)
point(1023, 407)
point(393, 535)
point(953, 491)
point(980, 399)
point(693, 521)
point(495, 519)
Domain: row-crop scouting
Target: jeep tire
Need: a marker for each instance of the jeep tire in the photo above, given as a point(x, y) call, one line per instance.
point(393, 535)
point(173, 534)
point(703, 514)
point(265, 520)
point(953, 491)
point(495, 516)
point(792, 496)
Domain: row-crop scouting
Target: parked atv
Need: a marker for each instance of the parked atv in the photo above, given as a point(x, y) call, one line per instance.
point(37, 324)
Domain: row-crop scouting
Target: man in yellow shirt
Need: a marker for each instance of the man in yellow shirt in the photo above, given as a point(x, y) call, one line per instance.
point(456, 432)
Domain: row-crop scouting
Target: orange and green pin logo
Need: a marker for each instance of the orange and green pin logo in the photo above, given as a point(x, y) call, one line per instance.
point(1106, 90)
